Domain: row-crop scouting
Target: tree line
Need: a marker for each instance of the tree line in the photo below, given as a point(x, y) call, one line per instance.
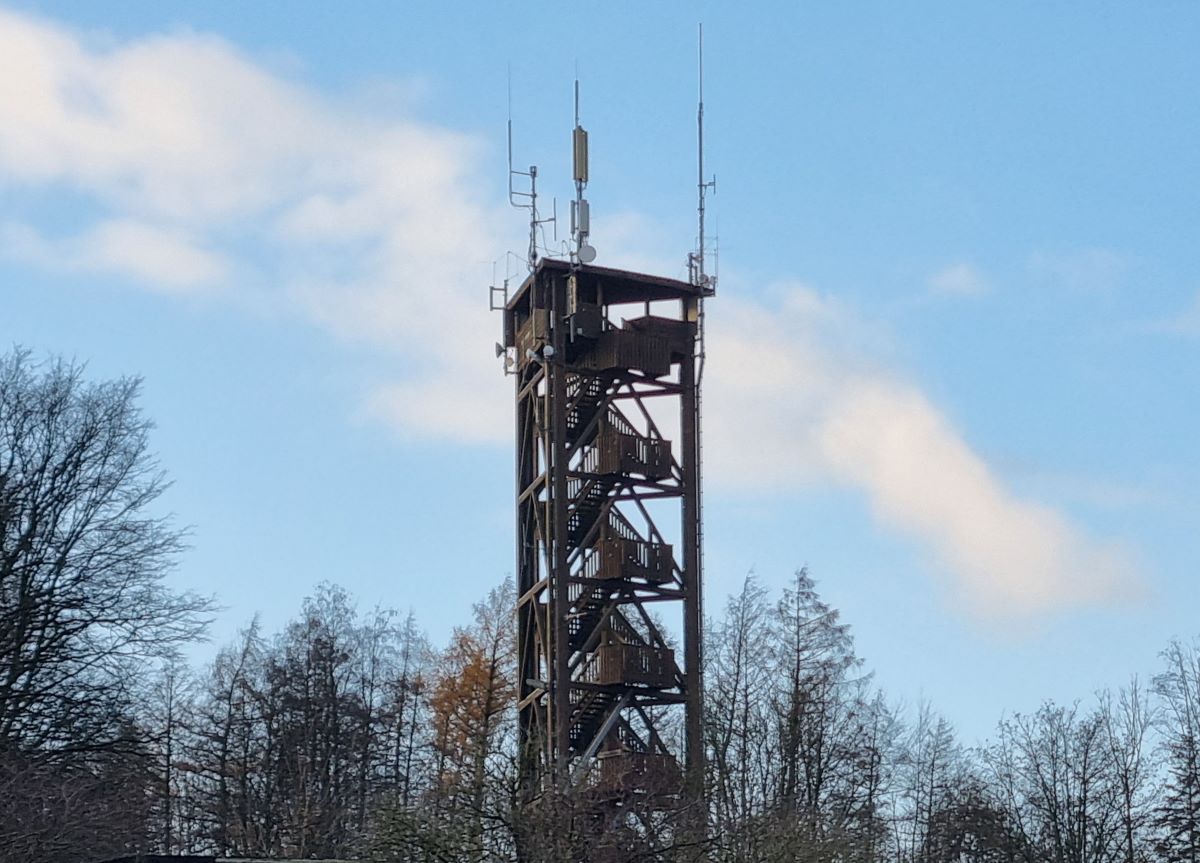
point(348, 734)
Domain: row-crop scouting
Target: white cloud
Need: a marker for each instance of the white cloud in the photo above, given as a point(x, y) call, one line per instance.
point(149, 253)
point(202, 165)
point(788, 404)
point(632, 241)
point(1085, 270)
point(958, 280)
point(1186, 323)
point(445, 404)
point(1006, 555)
point(163, 259)
point(175, 126)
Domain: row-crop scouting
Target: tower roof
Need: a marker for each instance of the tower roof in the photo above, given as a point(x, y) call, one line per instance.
point(620, 286)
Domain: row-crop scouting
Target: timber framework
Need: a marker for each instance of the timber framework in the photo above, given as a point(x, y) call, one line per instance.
point(608, 533)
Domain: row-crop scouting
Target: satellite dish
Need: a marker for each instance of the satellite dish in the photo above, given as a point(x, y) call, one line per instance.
point(586, 254)
point(499, 350)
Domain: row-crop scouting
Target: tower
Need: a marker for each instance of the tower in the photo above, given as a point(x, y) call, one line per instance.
point(604, 361)
point(607, 366)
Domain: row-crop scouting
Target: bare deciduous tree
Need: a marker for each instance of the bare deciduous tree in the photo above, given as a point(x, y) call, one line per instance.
point(1178, 811)
point(1128, 719)
point(83, 601)
point(1052, 774)
point(738, 723)
point(82, 555)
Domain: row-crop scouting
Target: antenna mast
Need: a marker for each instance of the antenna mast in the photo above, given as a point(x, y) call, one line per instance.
point(526, 200)
point(696, 270)
point(581, 217)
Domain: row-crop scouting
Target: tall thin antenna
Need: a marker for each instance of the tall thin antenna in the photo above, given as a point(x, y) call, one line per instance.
point(526, 200)
point(696, 261)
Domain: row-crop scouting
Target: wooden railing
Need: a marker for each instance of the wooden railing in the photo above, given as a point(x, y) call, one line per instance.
point(631, 558)
point(625, 773)
point(635, 664)
point(621, 453)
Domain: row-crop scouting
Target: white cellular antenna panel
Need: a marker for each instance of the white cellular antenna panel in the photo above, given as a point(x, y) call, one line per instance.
point(581, 154)
point(581, 212)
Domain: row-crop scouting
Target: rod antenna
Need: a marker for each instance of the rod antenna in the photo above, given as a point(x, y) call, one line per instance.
point(526, 200)
point(696, 260)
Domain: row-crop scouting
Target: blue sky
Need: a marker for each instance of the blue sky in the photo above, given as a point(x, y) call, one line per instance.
point(952, 358)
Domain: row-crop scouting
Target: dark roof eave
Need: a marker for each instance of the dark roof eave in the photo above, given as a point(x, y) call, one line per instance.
point(620, 286)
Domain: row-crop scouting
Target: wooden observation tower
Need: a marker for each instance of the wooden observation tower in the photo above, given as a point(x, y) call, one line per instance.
point(608, 531)
point(607, 365)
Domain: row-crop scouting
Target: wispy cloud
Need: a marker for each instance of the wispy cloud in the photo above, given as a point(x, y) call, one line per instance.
point(202, 166)
point(1083, 270)
point(790, 405)
point(958, 280)
point(1186, 323)
point(162, 259)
